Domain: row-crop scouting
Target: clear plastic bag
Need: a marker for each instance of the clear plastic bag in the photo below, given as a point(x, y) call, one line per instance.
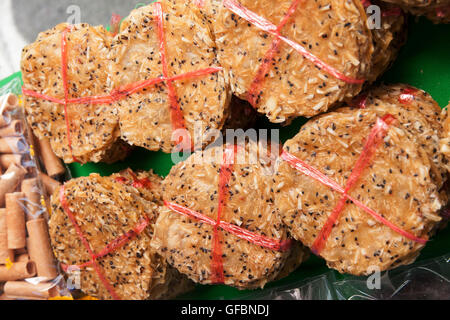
point(28, 269)
point(317, 288)
point(426, 280)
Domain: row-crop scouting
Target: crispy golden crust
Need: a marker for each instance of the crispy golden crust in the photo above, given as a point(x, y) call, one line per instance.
point(333, 30)
point(397, 185)
point(145, 117)
point(417, 117)
point(106, 209)
point(93, 128)
point(187, 244)
point(148, 184)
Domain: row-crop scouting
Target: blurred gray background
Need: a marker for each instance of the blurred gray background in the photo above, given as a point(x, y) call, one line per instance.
point(22, 20)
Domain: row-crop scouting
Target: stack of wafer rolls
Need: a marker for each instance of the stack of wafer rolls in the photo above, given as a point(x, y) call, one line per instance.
point(25, 250)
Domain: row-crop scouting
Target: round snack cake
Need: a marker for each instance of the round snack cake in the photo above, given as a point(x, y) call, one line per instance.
point(355, 187)
point(293, 58)
point(417, 113)
point(166, 67)
point(219, 224)
point(65, 75)
point(101, 229)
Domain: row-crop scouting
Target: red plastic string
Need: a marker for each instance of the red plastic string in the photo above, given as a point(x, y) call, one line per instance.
point(237, 231)
point(407, 95)
point(226, 170)
point(375, 138)
point(86, 244)
point(217, 273)
point(144, 183)
point(175, 109)
point(64, 67)
point(115, 23)
point(115, 244)
point(199, 3)
point(123, 91)
point(265, 25)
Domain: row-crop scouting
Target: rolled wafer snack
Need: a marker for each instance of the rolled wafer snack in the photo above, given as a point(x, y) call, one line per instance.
point(31, 189)
point(10, 180)
point(293, 58)
point(219, 224)
point(13, 145)
point(168, 38)
point(28, 291)
point(23, 257)
point(39, 249)
point(355, 186)
point(5, 253)
point(15, 220)
point(17, 271)
point(52, 163)
point(15, 128)
point(50, 184)
point(418, 114)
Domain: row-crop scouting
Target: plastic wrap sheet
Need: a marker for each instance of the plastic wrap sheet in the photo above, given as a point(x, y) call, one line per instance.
point(28, 270)
point(426, 280)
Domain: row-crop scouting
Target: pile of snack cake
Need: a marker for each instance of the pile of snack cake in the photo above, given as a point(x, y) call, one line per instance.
point(361, 185)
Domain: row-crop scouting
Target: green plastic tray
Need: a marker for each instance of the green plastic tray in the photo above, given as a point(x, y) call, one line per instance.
point(424, 62)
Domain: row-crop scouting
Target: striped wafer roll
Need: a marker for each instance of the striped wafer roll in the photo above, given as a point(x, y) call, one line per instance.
point(18, 271)
point(38, 245)
point(15, 220)
point(5, 252)
point(28, 291)
point(15, 128)
point(30, 187)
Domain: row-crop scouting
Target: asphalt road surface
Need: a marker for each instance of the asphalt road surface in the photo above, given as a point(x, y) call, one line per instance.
point(22, 20)
point(33, 16)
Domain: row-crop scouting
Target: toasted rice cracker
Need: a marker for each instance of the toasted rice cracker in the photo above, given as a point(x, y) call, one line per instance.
point(106, 209)
point(187, 243)
point(92, 126)
point(145, 116)
point(397, 185)
point(335, 31)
